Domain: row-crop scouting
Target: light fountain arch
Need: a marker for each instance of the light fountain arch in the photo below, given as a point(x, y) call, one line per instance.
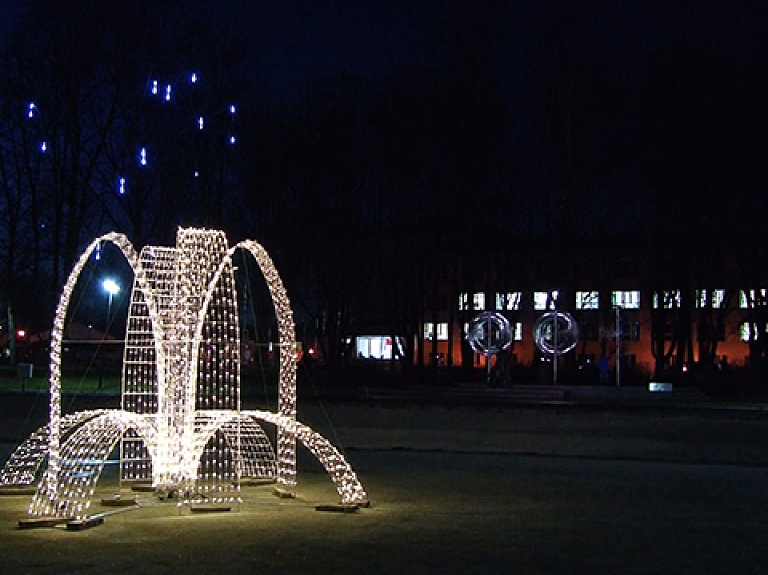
point(286, 331)
point(188, 298)
point(46, 499)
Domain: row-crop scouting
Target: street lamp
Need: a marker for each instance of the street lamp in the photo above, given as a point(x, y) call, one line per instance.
point(110, 286)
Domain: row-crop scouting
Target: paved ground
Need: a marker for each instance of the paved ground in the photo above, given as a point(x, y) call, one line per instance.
point(465, 491)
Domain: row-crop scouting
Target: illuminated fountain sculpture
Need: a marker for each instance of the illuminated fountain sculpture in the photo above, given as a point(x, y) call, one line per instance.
point(180, 427)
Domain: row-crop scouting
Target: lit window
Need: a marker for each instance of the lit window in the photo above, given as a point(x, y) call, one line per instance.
point(714, 298)
point(509, 301)
point(478, 301)
point(746, 329)
point(442, 331)
point(667, 299)
point(463, 301)
point(626, 299)
point(375, 347)
point(587, 300)
point(752, 298)
point(542, 299)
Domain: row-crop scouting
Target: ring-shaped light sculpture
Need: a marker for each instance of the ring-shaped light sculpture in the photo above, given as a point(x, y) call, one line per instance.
point(489, 333)
point(556, 332)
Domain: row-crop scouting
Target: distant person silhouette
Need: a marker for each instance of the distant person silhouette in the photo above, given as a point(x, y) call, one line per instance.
point(603, 365)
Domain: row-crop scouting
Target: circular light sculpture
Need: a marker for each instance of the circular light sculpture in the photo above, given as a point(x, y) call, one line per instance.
point(489, 333)
point(556, 333)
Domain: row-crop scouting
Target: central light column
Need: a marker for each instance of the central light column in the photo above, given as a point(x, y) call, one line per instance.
point(199, 254)
point(172, 405)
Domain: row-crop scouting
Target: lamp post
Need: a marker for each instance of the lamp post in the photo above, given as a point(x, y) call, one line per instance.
point(110, 286)
point(618, 345)
point(556, 339)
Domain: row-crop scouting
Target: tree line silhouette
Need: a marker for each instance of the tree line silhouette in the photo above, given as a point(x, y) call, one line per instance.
point(524, 129)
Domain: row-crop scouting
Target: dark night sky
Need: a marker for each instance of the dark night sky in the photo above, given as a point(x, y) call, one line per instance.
point(295, 44)
point(303, 40)
point(298, 40)
point(295, 41)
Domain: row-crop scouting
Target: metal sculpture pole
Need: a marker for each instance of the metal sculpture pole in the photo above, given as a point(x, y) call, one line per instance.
point(618, 346)
point(488, 334)
point(556, 333)
point(555, 360)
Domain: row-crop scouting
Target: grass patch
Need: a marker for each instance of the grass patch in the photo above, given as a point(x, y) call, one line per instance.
point(72, 381)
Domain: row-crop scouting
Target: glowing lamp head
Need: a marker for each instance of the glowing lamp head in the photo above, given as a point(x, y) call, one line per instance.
point(110, 286)
point(21, 333)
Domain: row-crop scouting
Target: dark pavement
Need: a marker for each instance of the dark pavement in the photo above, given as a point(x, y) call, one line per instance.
point(465, 490)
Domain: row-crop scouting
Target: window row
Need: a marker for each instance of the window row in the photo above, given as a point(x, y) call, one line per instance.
point(440, 330)
point(589, 332)
point(627, 299)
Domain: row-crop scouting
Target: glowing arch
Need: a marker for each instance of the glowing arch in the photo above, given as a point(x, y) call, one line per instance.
point(24, 463)
point(242, 434)
point(82, 459)
point(50, 484)
point(286, 440)
point(344, 478)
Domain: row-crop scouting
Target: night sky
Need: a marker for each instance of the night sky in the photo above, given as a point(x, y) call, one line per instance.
point(649, 95)
point(297, 41)
point(291, 43)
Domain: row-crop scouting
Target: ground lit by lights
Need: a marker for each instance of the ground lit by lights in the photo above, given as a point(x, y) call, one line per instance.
point(180, 427)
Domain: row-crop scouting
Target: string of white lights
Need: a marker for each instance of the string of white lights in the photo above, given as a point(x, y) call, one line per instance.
point(49, 485)
point(344, 478)
point(286, 440)
point(23, 465)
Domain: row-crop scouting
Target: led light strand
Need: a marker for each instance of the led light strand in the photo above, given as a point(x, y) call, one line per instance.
point(49, 486)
